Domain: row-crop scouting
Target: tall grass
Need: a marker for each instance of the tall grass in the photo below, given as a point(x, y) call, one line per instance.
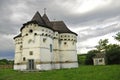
point(110, 72)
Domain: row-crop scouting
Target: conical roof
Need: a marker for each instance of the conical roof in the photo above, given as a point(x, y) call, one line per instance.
point(37, 17)
point(46, 20)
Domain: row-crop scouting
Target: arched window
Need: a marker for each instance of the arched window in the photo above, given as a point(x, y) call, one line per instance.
point(50, 47)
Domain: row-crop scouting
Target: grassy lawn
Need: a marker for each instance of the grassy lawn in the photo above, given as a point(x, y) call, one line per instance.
point(109, 72)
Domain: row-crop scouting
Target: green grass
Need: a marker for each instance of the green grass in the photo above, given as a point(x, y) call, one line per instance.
point(81, 59)
point(109, 72)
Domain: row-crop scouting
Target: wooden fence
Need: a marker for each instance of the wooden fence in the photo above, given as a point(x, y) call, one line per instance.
point(6, 66)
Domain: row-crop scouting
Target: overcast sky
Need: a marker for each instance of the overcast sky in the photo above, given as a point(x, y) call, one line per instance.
point(92, 20)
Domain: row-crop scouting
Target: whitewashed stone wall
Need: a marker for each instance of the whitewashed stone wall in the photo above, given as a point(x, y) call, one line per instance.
point(38, 39)
point(99, 61)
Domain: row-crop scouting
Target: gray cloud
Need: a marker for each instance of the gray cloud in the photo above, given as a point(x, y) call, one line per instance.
point(102, 30)
point(99, 22)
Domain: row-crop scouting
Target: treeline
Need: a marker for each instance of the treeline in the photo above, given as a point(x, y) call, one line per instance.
point(6, 62)
point(111, 51)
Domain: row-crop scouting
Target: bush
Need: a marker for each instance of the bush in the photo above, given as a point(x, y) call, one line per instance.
point(89, 57)
point(113, 54)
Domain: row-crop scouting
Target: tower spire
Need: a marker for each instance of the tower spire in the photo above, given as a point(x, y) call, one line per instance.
point(44, 10)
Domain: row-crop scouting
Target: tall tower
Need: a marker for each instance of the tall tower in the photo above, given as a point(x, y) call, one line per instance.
point(18, 52)
point(66, 44)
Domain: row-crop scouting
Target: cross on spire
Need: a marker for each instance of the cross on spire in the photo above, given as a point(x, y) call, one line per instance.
point(44, 10)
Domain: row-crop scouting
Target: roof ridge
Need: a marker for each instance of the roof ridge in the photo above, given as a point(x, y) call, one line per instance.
point(56, 21)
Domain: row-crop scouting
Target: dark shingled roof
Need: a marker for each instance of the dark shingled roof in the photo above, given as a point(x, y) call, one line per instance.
point(100, 55)
point(19, 35)
point(45, 22)
point(37, 19)
point(61, 27)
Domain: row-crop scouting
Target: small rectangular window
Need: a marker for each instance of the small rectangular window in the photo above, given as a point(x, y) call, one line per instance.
point(100, 60)
point(65, 43)
point(31, 53)
point(44, 39)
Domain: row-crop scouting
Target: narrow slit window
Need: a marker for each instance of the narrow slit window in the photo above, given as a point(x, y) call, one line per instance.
point(24, 59)
point(50, 47)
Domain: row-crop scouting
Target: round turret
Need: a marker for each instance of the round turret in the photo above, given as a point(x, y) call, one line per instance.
point(18, 51)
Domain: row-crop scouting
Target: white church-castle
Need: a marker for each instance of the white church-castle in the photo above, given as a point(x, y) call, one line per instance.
point(45, 45)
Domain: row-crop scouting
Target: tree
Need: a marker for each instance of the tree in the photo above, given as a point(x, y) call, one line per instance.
point(112, 51)
point(117, 37)
point(113, 54)
point(4, 61)
point(102, 45)
point(89, 57)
